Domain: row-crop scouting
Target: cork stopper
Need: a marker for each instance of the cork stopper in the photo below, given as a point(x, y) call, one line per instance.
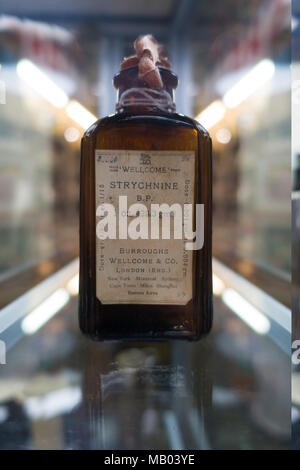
point(149, 56)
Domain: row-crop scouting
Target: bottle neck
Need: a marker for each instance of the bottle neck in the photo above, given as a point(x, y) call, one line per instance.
point(145, 100)
point(135, 96)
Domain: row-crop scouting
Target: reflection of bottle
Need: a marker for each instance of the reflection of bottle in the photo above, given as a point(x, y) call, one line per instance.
point(154, 396)
point(133, 284)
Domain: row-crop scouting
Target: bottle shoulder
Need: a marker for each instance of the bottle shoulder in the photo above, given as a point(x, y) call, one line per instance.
point(160, 119)
point(195, 124)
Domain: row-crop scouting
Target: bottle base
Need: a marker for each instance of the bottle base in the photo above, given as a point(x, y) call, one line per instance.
point(157, 337)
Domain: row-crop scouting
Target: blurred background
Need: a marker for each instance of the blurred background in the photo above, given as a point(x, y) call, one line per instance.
point(233, 62)
point(295, 221)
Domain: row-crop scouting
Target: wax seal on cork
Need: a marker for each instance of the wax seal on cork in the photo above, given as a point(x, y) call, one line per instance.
point(149, 56)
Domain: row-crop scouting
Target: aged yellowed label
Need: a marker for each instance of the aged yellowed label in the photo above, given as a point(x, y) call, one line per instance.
point(143, 271)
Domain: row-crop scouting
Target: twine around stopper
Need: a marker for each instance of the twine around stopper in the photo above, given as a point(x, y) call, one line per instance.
point(160, 99)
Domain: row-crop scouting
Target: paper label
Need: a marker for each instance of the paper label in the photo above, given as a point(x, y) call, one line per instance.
point(144, 271)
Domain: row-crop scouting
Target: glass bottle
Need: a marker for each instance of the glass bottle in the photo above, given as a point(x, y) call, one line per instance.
point(144, 289)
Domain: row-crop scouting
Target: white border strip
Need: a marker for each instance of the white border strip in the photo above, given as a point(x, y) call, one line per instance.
point(257, 297)
point(32, 298)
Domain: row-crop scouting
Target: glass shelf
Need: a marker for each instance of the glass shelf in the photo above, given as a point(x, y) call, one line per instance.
point(60, 390)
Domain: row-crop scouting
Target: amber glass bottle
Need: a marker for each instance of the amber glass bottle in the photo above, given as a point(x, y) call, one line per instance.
point(144, 289)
